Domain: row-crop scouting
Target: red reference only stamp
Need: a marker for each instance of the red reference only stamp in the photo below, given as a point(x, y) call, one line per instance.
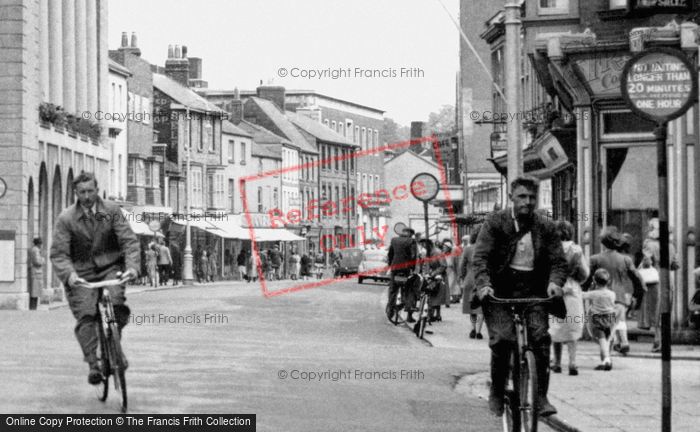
point(327, 211)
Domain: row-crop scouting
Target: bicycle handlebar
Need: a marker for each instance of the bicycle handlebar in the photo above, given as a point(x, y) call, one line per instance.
point(102, 284)
point(525, 301)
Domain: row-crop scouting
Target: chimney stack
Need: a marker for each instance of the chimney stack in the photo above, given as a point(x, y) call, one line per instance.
point(178, 67)
point(126, 48)
point(276, 94)
point(235, 108)
point(196, 80)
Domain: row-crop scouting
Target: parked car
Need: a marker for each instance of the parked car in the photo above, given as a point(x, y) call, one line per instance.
point(374, 259)
point(349, 262)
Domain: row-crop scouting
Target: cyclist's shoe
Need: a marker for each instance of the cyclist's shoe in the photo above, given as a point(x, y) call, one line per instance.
point(496, 405)
point(546, 408)
point(410, 318)
point(95, 374)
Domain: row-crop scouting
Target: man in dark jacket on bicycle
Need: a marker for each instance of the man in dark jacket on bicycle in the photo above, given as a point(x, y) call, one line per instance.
point(402, 256)
point(93, 241)
point(518, 254)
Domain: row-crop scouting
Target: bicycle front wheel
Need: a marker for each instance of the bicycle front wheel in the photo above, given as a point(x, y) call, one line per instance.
point(102, 389)
point(511, 417)
point(422, 318)
point(528, 393)
point(119, 365)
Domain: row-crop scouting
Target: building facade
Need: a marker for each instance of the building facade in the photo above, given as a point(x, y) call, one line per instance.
point(55, 55)
point(118, 129)
point(596, 152)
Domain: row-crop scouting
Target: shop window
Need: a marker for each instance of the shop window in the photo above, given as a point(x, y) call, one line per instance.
point(616, 123)
point(130, 171)
point(260, 200)
point(231, 194)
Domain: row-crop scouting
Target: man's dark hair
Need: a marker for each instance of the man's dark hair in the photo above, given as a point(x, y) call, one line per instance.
point(610, 238)
point(410, 231)
point(84, 177)
point(565, 230)
point(37, 241)
point(527, 181)
point(601, 277)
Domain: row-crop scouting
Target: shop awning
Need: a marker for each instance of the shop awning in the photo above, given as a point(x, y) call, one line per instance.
point(139, 227)
point(275, 234)
point(229, 228)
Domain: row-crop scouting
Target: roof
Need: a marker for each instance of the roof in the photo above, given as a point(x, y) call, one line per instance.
point(411, 154)
point(262, 135)
point(318, 130)
point(266, 151)
point(183, 95)
point(120, 69)
point(229, 128)
point(248, 93)
point(284, 124)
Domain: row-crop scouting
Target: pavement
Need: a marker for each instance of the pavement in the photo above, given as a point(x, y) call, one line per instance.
point(626, 399)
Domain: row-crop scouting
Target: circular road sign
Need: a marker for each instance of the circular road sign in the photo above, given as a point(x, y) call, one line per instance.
point(3, 187)
point(399, 227)
point(659, 84)
point(425, 187)
point(154, 225)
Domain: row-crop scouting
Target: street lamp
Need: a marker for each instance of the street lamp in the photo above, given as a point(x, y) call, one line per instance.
point(187, 261)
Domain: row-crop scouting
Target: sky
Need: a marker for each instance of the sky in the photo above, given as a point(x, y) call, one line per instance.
point(242, 42)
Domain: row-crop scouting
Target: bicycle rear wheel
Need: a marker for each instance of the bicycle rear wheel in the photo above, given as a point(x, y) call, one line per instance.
point(119, 365)
point(102, 389)
point(528, 392)
point(511, 418)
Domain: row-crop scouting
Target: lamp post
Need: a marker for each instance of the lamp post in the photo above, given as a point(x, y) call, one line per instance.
point(324, 197)
point(187, 261)
point(512, 75)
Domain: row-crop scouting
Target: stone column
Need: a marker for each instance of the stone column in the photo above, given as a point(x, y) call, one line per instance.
point(92, 65)
point(103, 66)
point(55, 52)
point(80, 56)
point(69, 56)
point(44, 49)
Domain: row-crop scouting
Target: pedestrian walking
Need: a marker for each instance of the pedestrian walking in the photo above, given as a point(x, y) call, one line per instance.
point(650, 308)
point(164, 262)
point(518, 255)
point(466, 271)
point(602, 313)
point(307, 264)
point(566, 331)
point(176, 268)
point(198, 262)
point(213, 264)
point(437, 267)
point(204, 267)
point(152, 264)
point(650, 304)
point(623, 278)
point(451, 262)
point(402, 252)
point(241, 260)
point(250, 270)
point(37, 262)
point(275, 261)
point(295, 264)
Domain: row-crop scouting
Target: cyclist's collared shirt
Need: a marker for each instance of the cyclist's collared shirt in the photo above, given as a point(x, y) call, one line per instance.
point(524, 258)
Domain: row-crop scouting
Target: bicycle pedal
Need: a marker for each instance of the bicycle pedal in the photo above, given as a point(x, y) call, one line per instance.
point(429, 332)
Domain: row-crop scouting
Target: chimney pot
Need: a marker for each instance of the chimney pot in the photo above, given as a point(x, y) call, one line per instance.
point(171, 51)
point(133, 40)
point(178, 52)
point(184, 51)
point(125, 41)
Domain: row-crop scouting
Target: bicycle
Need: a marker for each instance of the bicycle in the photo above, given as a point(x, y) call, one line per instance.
point(111, 357)
point(428, 286)
point(399, 284)
point(520, 402)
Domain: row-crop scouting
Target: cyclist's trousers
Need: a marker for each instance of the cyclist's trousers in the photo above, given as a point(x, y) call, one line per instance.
point(83, 304)
point(408, 295)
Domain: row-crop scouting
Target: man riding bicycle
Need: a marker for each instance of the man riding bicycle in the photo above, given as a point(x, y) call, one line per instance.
point(518, 254)
point(93, 241)
point(402, 256)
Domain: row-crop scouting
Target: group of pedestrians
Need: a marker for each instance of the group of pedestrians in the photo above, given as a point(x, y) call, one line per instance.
point(159, 263)
point(300, 266)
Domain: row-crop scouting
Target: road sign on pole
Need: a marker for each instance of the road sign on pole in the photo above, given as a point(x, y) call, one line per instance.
point(425, 187)
point(660, 84)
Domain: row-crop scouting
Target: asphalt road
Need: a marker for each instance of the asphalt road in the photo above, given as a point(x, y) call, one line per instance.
point(227, 349)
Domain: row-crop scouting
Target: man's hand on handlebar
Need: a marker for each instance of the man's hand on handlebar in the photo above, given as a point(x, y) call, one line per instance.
point(126, 276)
point(485, 291)
point(74, 281)
point(554, 290)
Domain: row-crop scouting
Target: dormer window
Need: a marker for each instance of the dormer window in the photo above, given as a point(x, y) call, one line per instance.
point(553, 7)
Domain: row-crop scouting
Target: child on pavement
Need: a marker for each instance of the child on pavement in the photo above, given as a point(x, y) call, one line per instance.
point(601, 319)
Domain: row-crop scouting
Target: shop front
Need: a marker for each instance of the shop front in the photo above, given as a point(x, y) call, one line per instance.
point(613, 179)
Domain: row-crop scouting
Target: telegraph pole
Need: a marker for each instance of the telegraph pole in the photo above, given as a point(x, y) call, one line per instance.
point(512, 76)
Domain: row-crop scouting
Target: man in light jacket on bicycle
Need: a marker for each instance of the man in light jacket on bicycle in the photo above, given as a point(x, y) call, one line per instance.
point(93, 241)
point(518, 254)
